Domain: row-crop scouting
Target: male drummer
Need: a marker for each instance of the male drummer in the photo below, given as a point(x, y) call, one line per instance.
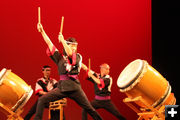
point(43, 85)
point(69, 64)
point(102, 86)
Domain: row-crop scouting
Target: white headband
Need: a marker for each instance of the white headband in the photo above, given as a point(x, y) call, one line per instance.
point(71, 42)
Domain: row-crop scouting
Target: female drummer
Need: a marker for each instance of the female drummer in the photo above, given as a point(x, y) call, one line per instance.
point(69, 64)
point(102, 85)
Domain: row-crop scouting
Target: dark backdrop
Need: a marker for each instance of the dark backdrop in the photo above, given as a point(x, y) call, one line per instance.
point(165, 41)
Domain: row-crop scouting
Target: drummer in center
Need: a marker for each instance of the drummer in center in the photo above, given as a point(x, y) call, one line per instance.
point(102, 87)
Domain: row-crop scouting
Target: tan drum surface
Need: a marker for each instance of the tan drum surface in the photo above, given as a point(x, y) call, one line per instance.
point(14, 92)
point(141, 79)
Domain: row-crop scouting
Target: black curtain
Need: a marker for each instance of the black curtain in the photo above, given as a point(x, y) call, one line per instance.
point(166, 41)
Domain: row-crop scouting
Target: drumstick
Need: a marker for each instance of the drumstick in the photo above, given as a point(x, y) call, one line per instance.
point(62, 22)
point(89, 63)
point(39, 15)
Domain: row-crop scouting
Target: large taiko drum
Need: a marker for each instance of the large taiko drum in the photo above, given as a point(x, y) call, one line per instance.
point(140, 79)
point(14, 92)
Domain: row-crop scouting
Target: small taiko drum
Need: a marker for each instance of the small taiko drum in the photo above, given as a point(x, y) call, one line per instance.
point(14, 92)
point(140, 79)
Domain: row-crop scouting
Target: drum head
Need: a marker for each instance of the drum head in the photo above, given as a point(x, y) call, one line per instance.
point(130, 74)
point(3, 71)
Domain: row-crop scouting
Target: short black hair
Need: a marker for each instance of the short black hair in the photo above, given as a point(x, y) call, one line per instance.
point(71, 39)
point(45, 66)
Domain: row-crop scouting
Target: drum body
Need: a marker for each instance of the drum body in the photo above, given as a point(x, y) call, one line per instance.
point(14, 92)
point(141, 79)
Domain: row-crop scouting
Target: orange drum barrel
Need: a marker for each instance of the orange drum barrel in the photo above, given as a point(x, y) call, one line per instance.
point(14, 92)
point(140, 79)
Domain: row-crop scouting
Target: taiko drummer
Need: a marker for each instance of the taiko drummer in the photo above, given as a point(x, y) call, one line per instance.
point(102, 88)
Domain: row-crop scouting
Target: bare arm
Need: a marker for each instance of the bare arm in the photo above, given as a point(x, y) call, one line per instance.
point(84, 67)
point(42, 92)
point(44, 35)
point(65, 45)
point(97, 80)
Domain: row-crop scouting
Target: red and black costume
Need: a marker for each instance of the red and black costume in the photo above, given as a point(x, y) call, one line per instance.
point(45, 85)
point(102, 96)
point(68, 85)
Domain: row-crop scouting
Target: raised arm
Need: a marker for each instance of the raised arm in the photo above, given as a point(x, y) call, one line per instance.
point(65, 45)
point(84, 67)
point(97, 80)
point(90, 74)
point(44, 35)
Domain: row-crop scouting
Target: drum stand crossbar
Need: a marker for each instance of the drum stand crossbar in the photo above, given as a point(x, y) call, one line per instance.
point(146, 113)
point(10, 114)
point(57, 105)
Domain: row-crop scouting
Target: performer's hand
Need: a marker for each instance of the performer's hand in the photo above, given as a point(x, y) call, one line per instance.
point(90, 73)
point(39, 27)
point(60, 37)
point(42, 92)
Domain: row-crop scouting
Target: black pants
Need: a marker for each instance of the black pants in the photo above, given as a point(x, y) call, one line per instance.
point(105, 104)
point(54, 114)
point(77, 95)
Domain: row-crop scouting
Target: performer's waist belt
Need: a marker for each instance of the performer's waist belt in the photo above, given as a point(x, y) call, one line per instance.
point(102, 97)
point(68, 77)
